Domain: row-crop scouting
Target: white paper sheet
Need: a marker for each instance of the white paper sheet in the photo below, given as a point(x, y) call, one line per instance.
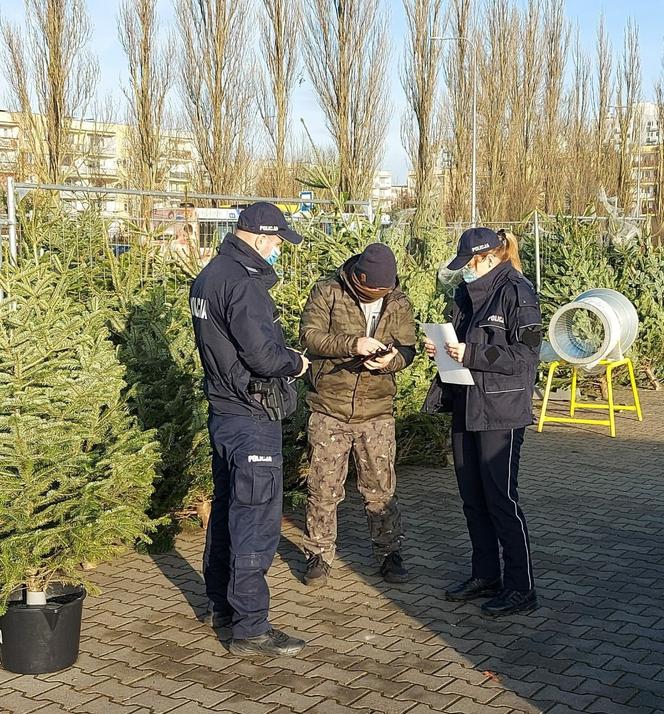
point(449, 369)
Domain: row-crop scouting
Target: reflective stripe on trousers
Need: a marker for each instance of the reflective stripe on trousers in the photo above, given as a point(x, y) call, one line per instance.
point(487, 467)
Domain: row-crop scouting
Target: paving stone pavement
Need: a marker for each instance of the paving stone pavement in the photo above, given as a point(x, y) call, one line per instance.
point(595, 507)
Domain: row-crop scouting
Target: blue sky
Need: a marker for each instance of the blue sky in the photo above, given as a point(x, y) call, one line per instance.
point(648, 15)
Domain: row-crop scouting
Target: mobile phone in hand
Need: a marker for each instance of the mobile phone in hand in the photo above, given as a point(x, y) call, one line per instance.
point(381, 353)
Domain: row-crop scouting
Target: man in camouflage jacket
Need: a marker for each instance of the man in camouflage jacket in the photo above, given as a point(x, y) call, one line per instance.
point(349, 318)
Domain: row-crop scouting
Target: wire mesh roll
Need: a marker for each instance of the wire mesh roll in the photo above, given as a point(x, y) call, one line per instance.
point(598, 324)
point(628, 318)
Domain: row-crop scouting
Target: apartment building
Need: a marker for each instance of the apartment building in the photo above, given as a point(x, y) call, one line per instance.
point(648, 160)
point(382, 194)
point(9, 145)
point(98, 154)
point(647, 135)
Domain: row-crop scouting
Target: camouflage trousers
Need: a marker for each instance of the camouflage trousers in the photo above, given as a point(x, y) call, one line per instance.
point(373, 446)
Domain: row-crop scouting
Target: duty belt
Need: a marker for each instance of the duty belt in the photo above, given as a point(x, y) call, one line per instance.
point(268, 395)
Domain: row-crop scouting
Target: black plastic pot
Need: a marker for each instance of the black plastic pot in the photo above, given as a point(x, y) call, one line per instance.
point(35, 639)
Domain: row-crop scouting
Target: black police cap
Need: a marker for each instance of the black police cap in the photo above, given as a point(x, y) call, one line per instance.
point(266, 218)
point(472, 242)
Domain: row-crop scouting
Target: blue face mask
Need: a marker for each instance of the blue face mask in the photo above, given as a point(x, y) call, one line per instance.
point(469, 275)
point(274, 256)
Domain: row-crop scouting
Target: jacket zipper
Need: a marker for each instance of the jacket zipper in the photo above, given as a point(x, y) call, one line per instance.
point(359, 374)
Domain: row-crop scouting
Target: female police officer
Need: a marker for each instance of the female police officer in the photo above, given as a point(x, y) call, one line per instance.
point(498, 324)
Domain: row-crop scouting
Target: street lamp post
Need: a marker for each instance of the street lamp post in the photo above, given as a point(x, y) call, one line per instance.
point(473, 173)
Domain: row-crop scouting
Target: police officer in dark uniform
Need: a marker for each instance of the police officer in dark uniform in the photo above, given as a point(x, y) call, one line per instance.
point(498, 324)
point(248, 375)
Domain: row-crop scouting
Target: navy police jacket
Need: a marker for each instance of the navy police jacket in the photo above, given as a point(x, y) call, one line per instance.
point(237, 328)
point(498, 318)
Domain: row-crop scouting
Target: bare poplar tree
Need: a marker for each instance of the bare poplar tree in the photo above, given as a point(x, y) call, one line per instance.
point(604, 163)
point(279, 22)
point(524, 172)
point(458, 68)
point(217, 94)
point(48, 60)
point(421, 124)
point(628, 96)
point(346, 48)
point(544, 131)
point(496, 77)
point(149, 78)
point(579, 178)
point(659, 98)
point(556, 33)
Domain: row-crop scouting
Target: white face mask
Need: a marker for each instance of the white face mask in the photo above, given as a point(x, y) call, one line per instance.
point(468, 274)
point(471, 274)
point(272, 256)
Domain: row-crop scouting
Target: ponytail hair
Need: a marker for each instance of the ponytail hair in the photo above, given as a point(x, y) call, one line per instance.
point(509, 249)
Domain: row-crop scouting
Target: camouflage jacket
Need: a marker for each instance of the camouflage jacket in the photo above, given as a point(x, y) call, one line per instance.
point(331, 325)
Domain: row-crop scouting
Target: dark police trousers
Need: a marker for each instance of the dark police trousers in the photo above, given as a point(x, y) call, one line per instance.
point(487, 466)
point(245, 522)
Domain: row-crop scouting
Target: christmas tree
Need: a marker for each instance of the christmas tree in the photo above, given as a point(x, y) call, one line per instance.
point(76, 470)
point(163, 369)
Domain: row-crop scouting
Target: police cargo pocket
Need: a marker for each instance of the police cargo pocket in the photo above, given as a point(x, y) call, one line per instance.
point(255, 478)
point(247, 574)
point(506, 397)
point(503, 383)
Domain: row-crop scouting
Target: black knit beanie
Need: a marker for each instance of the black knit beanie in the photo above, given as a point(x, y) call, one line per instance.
point(376, 267)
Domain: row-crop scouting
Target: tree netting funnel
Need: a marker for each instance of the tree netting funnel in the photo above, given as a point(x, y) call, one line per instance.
point(599, 324)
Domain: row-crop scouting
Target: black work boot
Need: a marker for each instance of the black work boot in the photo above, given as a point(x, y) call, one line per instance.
point(274, 643)
point(509, 602)
point(473, 588)
point(317, 571)
point(393, 569)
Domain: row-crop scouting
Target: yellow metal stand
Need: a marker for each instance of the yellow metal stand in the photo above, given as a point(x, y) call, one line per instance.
point(610, 405)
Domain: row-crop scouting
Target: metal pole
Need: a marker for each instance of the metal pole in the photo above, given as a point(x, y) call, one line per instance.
point(538, 272)
point(11, 219)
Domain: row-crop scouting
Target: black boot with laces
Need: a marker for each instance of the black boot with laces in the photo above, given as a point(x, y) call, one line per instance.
point(274, 643)
point(393, 569)
point(473, 588)
point(317, 571)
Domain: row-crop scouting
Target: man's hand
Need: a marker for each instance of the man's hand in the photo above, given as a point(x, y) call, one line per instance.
point(430, 348)
point(381, 362)
point(456, 350)
point(305, 365)
point(367, 346)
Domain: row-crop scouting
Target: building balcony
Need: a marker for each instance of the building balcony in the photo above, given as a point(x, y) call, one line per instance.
point(97, 153)
point(98, 171)
point(178, 154)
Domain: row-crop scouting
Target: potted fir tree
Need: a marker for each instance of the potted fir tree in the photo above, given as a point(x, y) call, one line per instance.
point(76, 471)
